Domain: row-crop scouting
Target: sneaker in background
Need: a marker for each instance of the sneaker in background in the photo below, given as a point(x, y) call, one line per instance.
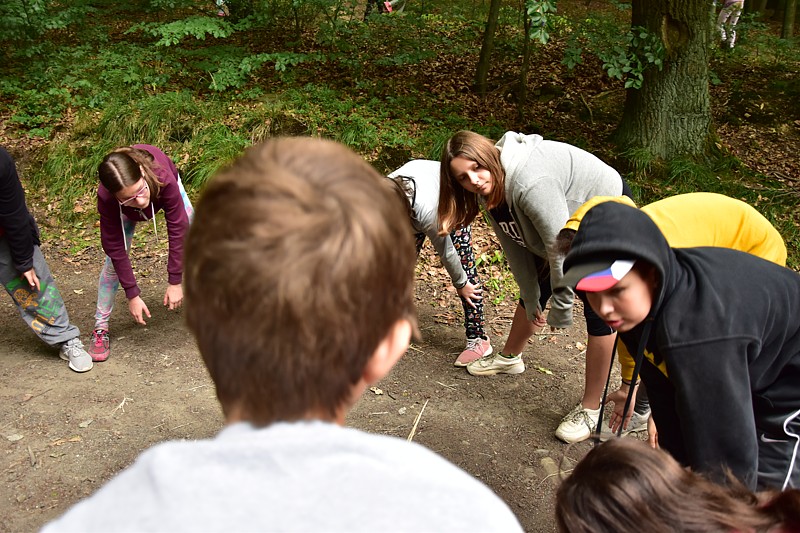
point(476, 348)
point(100, 348)
point(638, 422)
point(496, 364)
point(578, 424)
point(73, 351)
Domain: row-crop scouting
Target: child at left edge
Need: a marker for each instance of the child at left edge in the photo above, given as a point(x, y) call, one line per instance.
point(418, 182)
point(135, 183)
point(26, 277)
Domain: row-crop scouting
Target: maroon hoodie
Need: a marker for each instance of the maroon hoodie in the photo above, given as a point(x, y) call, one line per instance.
point(169, 199)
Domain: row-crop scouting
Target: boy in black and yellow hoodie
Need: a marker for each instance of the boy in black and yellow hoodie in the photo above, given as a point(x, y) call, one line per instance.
point(717, 341)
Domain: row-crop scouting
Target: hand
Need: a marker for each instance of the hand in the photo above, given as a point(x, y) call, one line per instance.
point(540, 320)
point(652, 432)
point(471, 293)
point(173, 298)
point(33, 280)
point(138, 310)
point(616, 419)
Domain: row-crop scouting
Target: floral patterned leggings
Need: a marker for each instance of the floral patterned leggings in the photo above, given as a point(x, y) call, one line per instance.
point(474, 322)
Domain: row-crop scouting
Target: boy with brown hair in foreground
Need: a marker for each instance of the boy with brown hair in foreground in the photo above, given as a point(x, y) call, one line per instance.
point(299, 270)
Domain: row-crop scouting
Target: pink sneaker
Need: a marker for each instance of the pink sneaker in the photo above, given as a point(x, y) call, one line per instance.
point(100, 347)
point(476, 348)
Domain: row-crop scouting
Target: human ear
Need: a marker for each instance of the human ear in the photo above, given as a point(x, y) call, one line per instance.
point(388, 352)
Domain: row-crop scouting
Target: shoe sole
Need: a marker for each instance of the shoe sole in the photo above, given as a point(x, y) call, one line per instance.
point(571, 440)
point(99, 358)
point(74, 369)
point(459, 364)
point(494, 371)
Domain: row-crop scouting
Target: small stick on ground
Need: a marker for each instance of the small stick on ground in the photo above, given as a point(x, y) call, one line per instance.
point(121, 405)
point(32, 456)
point(416, 422)
point(40, 394)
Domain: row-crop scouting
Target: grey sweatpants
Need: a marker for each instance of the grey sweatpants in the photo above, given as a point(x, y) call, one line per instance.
point(43, 311)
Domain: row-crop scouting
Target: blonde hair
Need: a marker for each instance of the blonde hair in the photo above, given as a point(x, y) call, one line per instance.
point(457, 206)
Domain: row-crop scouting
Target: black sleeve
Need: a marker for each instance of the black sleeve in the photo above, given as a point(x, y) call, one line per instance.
point(713, 402)
point(15, 219)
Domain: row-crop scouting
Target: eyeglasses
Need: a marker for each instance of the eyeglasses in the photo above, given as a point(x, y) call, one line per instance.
point(139, 194)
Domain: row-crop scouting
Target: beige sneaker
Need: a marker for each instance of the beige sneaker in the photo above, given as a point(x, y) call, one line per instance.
point(496, 364)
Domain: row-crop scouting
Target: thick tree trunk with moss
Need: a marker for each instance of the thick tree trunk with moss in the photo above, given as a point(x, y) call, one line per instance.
point(670, 116)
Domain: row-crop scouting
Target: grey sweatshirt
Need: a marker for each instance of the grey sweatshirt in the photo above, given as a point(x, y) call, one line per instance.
point(545, 182)
point(301, 476)
point(425, 174)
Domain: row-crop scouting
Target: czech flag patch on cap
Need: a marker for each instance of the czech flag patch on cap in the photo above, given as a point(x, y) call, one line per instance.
point(606, 278)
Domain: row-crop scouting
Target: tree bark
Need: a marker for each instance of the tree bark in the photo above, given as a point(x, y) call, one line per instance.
point(788, 19)
point(670, 115)
point(523, 74)
point(487, 46)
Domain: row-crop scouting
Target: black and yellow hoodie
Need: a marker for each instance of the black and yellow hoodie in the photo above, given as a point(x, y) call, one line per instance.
point(726, 326)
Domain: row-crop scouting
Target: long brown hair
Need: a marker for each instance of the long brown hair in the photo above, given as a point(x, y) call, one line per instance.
point(457, 206)
point(123, 167)
point(624, 485)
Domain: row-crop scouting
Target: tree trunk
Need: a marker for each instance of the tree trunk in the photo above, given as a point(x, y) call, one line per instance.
point(523, 73)
point(788, 19)
point(758, 6)
point(486, 49)
point(670, 115)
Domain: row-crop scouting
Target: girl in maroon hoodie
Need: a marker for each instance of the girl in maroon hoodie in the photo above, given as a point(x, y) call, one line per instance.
point(135, 183)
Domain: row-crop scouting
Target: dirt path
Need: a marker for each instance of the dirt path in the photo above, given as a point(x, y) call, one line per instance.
point(64, 434)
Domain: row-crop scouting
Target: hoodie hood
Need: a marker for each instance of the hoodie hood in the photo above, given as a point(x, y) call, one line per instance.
point(515, 150)
point(612, 230)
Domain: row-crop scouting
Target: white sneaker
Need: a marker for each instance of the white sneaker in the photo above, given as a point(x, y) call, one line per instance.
point(638, 422)
point(578, 424)
point(73, 351)
point(496, 364)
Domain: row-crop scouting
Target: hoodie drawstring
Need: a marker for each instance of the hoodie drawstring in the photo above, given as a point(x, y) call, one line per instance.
point(122, 224)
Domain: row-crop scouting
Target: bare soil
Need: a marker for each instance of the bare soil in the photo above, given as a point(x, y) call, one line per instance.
point(64, 434)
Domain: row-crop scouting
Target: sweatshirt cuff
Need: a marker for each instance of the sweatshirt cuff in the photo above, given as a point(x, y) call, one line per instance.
point(132, 292)
point(559, 319)
point(175, 279)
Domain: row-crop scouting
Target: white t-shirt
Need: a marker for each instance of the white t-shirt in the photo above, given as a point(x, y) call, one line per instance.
point(302, 476)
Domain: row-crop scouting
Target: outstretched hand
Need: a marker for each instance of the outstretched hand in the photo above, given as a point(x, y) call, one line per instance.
point(138, 310)
point(617, 419)
point(173, 298)
point(472, 294)
point(540, 320)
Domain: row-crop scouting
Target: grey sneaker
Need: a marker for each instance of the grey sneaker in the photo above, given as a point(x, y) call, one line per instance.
point(73, 351)
point(578, 424)
point(496, 364)
point(638, 422)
